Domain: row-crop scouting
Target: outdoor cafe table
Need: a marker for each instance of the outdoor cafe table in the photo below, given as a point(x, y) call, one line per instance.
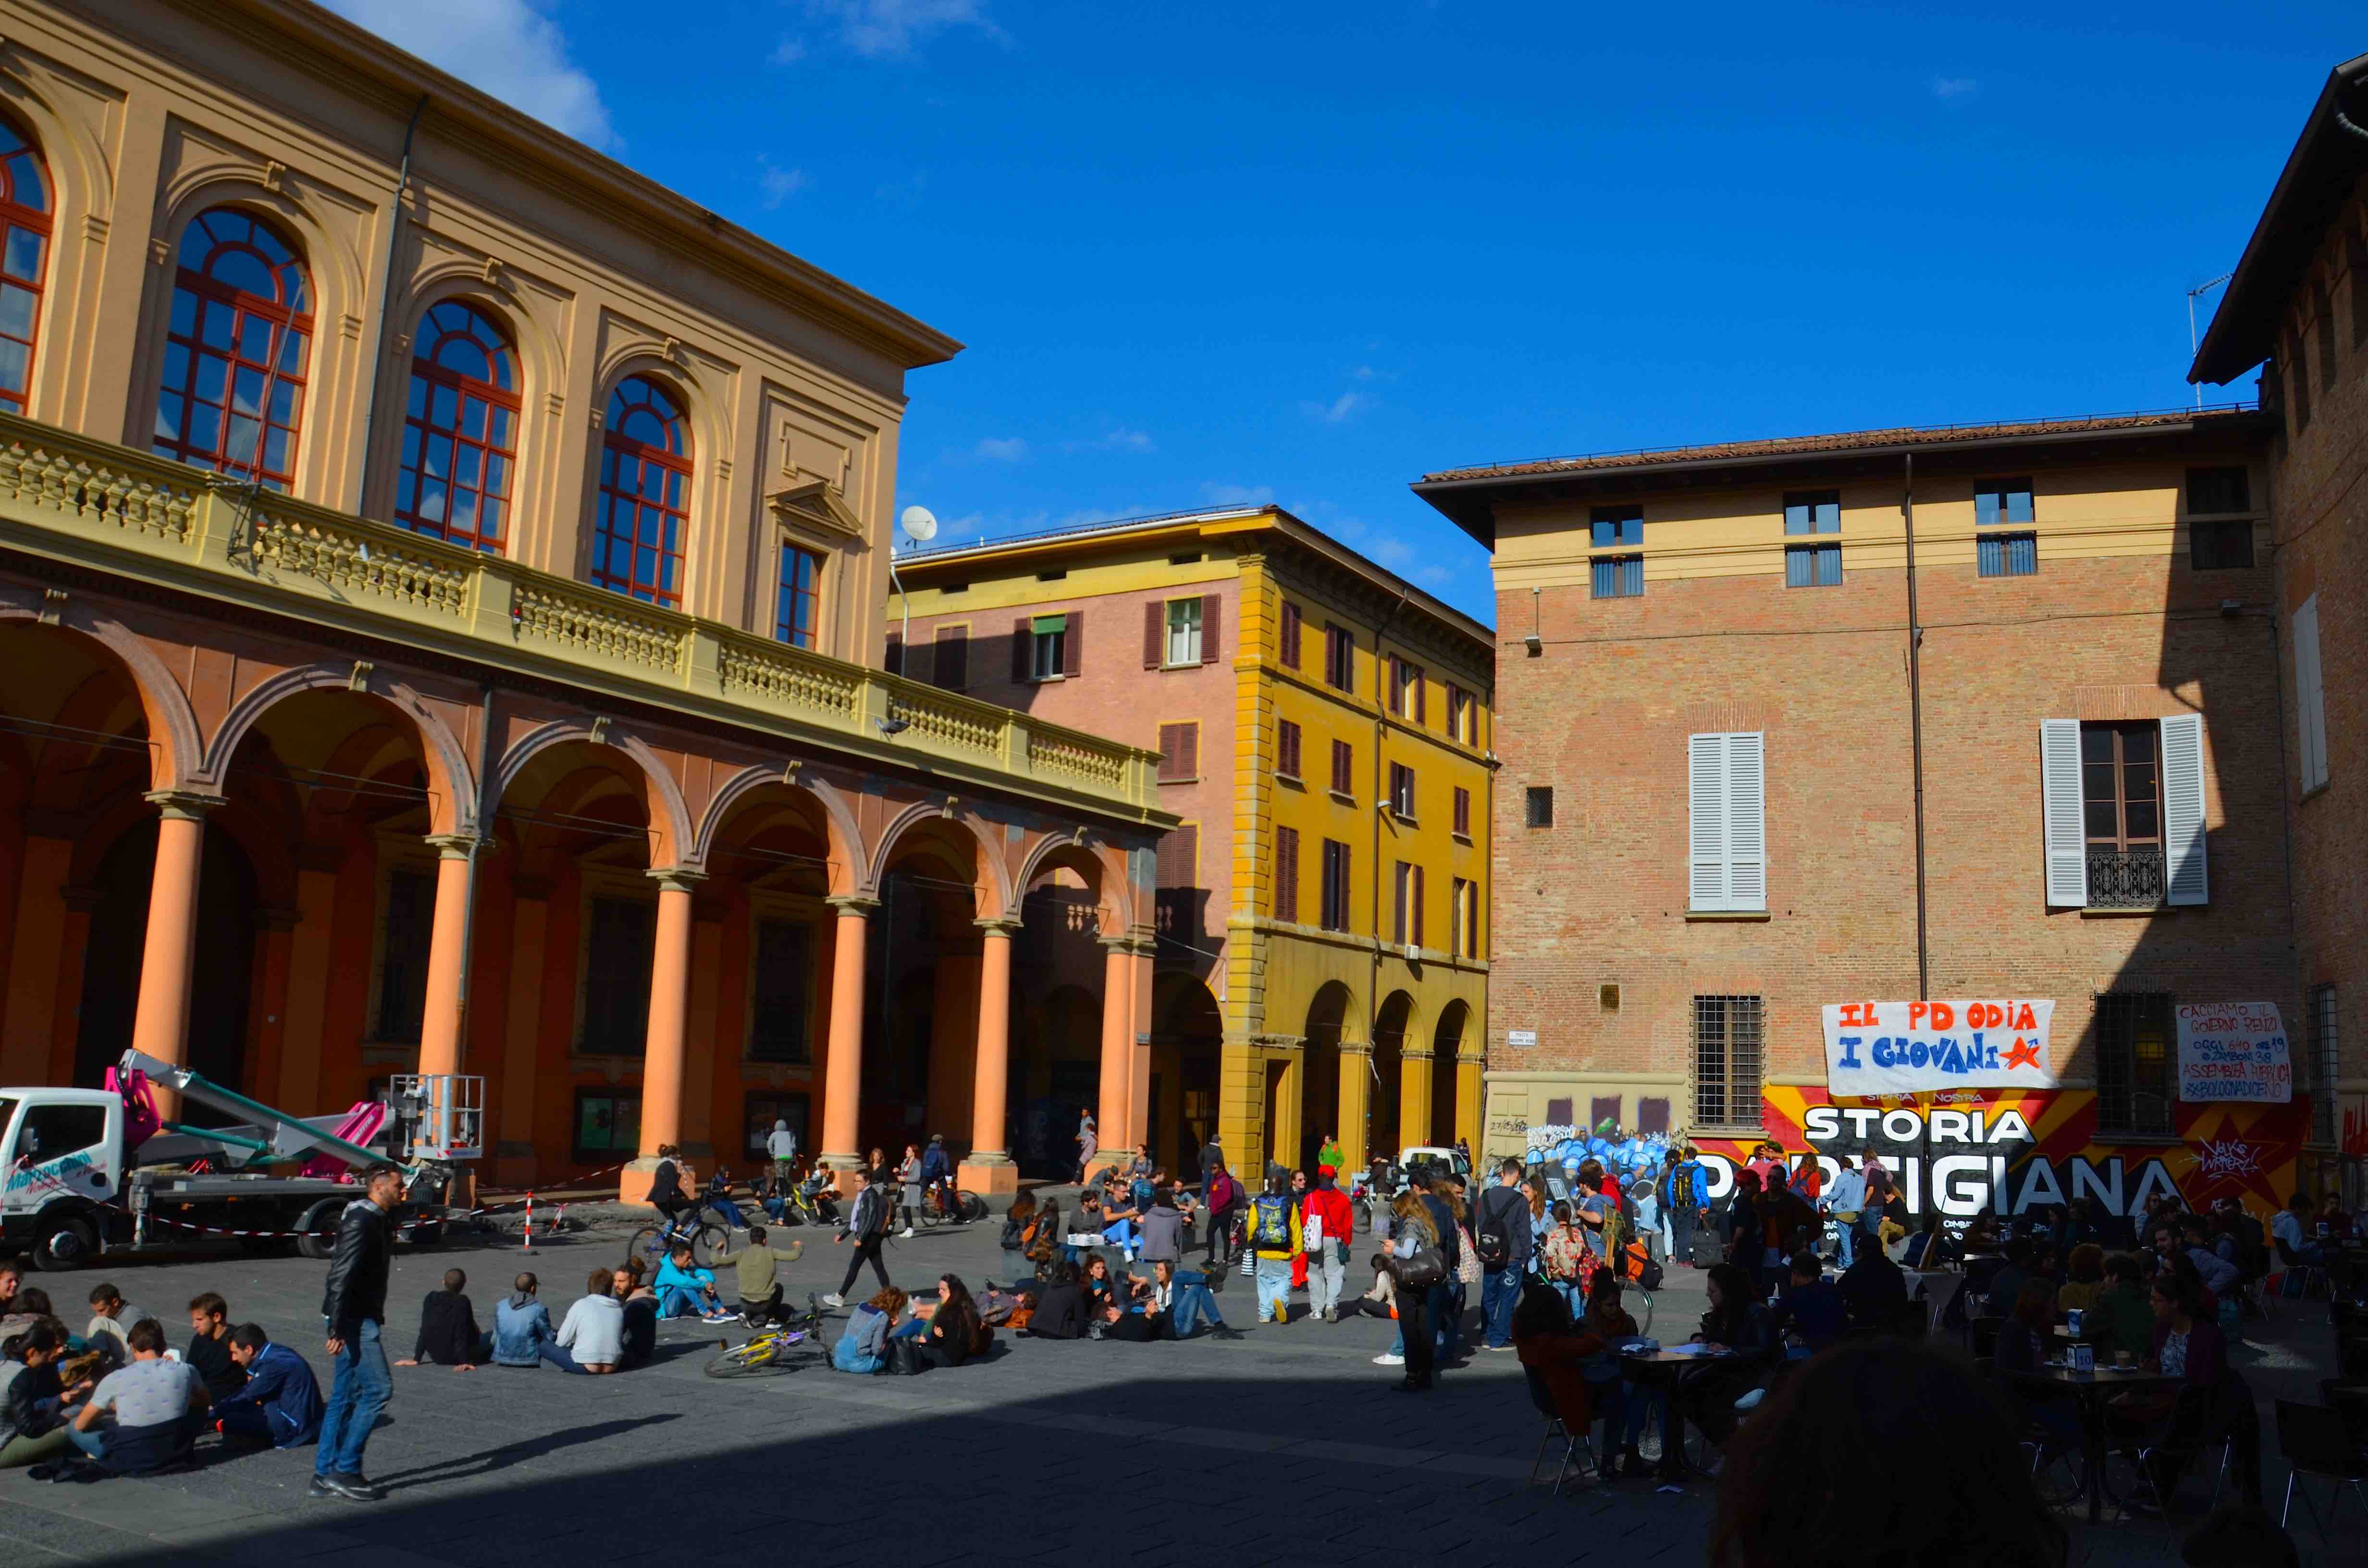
point(2092, 1390)
point(1936, 1288)
point(1660, 1369)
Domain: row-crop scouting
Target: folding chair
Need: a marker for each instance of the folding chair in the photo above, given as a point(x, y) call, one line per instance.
point(2315, 1442)
point(1573, 1443)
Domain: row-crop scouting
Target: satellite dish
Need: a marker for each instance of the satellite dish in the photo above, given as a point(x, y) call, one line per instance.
point(920, 524)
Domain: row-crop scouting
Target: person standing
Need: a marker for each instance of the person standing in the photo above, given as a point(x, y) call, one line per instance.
point(1880, 1191)
point(1328, 1152)
point(1275, 1238)
point(908, 1175)
point(782, 1147)
point(353, 1306)
point(1089, 1141)
point(1416, 1228)
point(938, 1171)
point(1299, 1260)
point(1222, 1196)
point(1847, 1203)
point(1504, 1238)
point(1326, 1224)
point(868, 1223)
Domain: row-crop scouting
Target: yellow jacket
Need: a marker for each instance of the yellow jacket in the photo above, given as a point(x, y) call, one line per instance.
point(1296, 1233)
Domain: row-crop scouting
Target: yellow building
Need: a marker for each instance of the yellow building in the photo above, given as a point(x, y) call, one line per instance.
point(1324, 728)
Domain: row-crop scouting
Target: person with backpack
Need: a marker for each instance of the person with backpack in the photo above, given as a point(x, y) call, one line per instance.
point(1326, 1224)
point(937, 1171)
point(1275, 1239)
point(868, 1223)
point(1224, 1198)
point(1502, 1236)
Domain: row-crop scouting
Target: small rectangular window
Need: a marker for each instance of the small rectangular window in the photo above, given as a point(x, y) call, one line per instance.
point(1287, 635)
point(1183, 632)
point(1460, 711)
point(402, 956)
point(1179, 753)
point(620, 948)
point(2003, 504)
point(2007, 555)
point(1336, 885)
point(1539, 804)
point(1612, 526)
point(1407, 690)
point(1406, 927)
point(951, 668)
point(2218, 491)
point(1464, 911)
point(2135, 1078)
point(1812, 512)
point(1339, 658)
point(1558, 1113)
point(1050, 645)
point(1286, 873)
point(757, 1114)
point(784, 973)
point(1401, 791)
point(1727, 1035)
point(1813, 565)
point(1343, 767)
point(798, 607)
point(2221, 545)
point(606, 1122)
point(2323, 1066)
point(1286, 748)
point(1618, 576)
point(1463, 812)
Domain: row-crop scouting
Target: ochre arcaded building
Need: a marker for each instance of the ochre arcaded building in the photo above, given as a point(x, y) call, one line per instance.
point(1323, 730)
point(424, 539)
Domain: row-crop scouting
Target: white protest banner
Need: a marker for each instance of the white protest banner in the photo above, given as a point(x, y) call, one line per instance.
point(1906, 1048)
point(2233, 1051)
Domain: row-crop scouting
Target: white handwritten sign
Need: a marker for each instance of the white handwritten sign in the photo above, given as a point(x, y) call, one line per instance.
point(2233, 1051)
point(1905, 1047)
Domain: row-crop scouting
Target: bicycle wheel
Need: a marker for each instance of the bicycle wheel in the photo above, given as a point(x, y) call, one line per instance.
point(645, 1245)
point(707, 1241)
point(974, 1207)
point(759, 1355)
point(1645, 1318)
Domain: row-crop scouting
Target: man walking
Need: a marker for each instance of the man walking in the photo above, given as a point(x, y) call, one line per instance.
point(868, 1223)
point(1326, 1225)
point(1501, 1235)
point(353, 1306)
point(1689, 1206)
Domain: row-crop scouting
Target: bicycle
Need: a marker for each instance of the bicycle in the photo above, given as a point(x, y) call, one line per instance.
point(653, 1243)
point(785, 1348)
point(965, 1208)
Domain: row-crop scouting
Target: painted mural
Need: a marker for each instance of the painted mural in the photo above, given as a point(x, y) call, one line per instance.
point(2013, 1151)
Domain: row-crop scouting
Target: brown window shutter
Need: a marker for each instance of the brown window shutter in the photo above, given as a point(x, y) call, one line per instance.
point(1023, 650)
point(1155, 632)
point(1463, 812)
point(1289, 635)
point(1286, 748)
point(1416, 938)
point(1167, 746)
point(891, 659)
point(1188, 751)
point(1286, 873)
point(1072, 643)
point(1398, 906)
point(950, 666)
point(1213, 626)
point(1179, 858)
point(1421, 698)
point(1340, 765)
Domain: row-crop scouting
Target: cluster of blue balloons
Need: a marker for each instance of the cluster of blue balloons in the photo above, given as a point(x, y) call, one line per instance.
point(1572, 1146)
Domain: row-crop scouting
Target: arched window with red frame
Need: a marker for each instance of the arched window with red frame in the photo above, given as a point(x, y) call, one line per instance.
point(460, 430)
point(644, 505)
point(232, 394)
point(25, 210)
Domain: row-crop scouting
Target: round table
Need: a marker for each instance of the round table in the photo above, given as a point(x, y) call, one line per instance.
point(1936, 1288)
point(2092, 1390)
point(1660, 1369)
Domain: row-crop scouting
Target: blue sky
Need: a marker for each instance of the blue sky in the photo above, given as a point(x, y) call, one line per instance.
point(1206, 254)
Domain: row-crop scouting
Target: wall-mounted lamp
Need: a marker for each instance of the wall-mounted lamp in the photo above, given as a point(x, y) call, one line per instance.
point(893, 726)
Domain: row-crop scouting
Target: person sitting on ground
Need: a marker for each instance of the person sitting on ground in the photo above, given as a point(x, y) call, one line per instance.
point(282, 1404)
point(1061, 1310)
point(1812, 1312)
point(686, 1289)
point(145, 1414)
point(1104, 1305)
point(592, 1338)
point(820, 1190)
point(31, 1309)
point(1872, 1290)
point(1043, 1240)
point(637, 1306)
point(1163, 1227)
point(1938, 1476)
point(111, 1315)
point(521, 1325)
point(955, 1334)
point(1558, 1352)
point(760, 1292)
point(209, 1349)
point(863, 1349)
point(716, 1199)
point(1014, 1240)
point(34, 1403)
point(2084, 1281)
point(1171, 1305)
point(12, 1279)
point(447, 1329)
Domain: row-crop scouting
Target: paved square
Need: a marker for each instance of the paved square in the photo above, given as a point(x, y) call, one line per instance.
point(1286, 1446)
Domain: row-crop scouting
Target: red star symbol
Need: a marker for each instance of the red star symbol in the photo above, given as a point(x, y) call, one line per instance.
point(2024, 1053)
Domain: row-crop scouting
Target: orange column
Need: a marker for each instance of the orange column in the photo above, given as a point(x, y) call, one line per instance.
point(1118, 1039)
point(662, 1051)
point(34, 958)
point(441, 1024)
point(842, 1084)
point(1138, 1043)
point(160, 1022)
point(989, 1168)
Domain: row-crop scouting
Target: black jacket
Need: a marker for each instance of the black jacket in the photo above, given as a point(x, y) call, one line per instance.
point(447, 1330)
point(356, 1290)
point(19, 1416)
point(1060, 1313)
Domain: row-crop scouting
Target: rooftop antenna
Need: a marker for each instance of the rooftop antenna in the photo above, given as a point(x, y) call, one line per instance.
point(2203, 288)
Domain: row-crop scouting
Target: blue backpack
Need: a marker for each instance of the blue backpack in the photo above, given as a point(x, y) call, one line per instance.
point(1271, 1223)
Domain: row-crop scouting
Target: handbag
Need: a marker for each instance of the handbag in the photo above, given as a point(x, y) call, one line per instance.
point(1467, 1259)
point(904, 1358)
point(1427, 1268)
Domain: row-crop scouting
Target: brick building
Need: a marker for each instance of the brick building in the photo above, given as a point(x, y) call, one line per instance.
point(2298, 308)
point(1323, 728)
point(440, 575)
point(1709, 825)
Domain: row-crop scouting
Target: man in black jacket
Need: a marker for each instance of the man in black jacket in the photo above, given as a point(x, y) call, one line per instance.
point(353, 1306)
point(1501, 1234)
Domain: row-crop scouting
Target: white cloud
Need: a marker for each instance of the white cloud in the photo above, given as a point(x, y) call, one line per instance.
point(778, 184)
point(1437, 576)
point(1002, 448)
point(1337, 410)
point(1391, 552)
point(890, 29)
point(1947, 88)
point(1237, 495)
point(1125, 440)
point(507, 48)
point(789, 52)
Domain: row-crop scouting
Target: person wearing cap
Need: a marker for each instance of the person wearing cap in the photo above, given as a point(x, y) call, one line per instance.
point(1327, 1223)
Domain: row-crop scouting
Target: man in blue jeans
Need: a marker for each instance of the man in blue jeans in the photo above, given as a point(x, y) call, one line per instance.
point(1501, 1234)
point(353, 1305)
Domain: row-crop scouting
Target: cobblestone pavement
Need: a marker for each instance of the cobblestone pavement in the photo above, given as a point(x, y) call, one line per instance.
point(1285, 1447)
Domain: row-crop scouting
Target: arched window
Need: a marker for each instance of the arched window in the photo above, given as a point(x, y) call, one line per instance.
point(459, 432)
point(644, 493)
point(233, 395)
point(24, 260)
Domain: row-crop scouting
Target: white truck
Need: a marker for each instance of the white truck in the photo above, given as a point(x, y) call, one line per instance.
point(75, 1191)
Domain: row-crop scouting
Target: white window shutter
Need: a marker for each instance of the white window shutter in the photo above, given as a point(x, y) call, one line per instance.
point(1706, 824)
point(2182, 809)
point(2310, 695)
point(1747, 822)
point(2067, 833)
